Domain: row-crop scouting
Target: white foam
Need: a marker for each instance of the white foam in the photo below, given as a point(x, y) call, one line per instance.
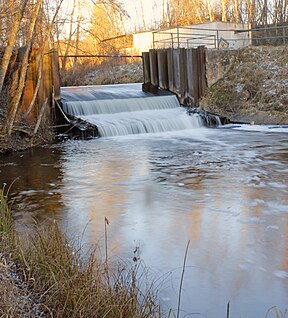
point(281, 274)
point(275, 208)
point(264, 128)
point(126, 110)
point(113, 106)
point(153, 121)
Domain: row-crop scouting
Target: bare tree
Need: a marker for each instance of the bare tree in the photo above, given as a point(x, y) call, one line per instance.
point(11, 42)
point(142, 15)
point(210, 10)
point(69, 40)
point(40, 61)
point(12, 110)
point(77, 33)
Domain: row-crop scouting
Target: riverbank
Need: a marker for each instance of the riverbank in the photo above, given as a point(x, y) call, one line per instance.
point(44, 275)
point(22, 135)
point(22, 139)
point(253, 86)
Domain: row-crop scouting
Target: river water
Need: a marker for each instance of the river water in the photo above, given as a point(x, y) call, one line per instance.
point(224, 189)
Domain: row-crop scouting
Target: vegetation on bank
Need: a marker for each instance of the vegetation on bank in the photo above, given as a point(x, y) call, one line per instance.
point(255, 87)
point(113, 72)
point(43, 275)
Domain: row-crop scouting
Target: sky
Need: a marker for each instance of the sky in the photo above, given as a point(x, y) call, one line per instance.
point(151, 12)
point(133, 8)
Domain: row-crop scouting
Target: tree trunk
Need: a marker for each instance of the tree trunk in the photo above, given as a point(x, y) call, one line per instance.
point(143, 15)
point(39, 80)
point(77, 34)
point(13, 108)
point(237, 14)
point(224, 10)
point(11, 42)
point(210, 11)
point(42, 111)
point(70, 37)
point(40, 63)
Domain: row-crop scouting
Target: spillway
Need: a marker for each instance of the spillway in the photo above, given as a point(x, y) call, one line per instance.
point(125, 109)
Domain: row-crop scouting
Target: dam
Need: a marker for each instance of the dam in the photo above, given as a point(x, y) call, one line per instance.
point(125, 109)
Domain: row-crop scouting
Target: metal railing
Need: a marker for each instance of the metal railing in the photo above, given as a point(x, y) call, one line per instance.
point(185, 37)
point(273, 35)
point(190, 37)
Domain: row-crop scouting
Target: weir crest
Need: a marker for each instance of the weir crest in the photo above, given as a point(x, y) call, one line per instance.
point(124, 109)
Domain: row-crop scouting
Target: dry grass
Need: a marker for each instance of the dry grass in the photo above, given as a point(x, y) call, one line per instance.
point(257, 81)
point(44, 275)
point(113, 72)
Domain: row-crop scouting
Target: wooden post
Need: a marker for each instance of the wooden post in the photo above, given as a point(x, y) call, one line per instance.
point(55, 68)
point(181, 71)
point(49, 83)
point(201, 56)
point(153, 68)
point(162, 69)
point(176, 72)
point(170, 70)
point(30, 84)
point(146, 67)
point(190, 78)
point(195, 77)
point(183, 74)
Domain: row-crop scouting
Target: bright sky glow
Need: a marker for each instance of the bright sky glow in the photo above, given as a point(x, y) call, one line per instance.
point(151, 10)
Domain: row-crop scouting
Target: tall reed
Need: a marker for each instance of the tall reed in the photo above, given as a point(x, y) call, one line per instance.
point(58, 281)
point(5, 215)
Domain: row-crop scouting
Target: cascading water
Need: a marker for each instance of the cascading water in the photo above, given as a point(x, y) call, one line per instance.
point(125, 109)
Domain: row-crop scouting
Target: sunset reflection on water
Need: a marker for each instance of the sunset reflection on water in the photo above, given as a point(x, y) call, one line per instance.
point(224, 190)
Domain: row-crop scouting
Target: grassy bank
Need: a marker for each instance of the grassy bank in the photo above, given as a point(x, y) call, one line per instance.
point(43, 275)
point(254, 88)
point(104, 74)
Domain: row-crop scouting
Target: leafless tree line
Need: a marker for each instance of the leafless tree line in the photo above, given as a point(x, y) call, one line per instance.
point(253, 12)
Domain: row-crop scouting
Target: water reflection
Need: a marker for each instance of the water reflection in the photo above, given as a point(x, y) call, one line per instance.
point(224, 190)
point(35, 178)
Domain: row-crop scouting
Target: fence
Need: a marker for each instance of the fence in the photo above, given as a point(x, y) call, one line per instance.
point(191, 37)
point(185, 37)
point(272, 35)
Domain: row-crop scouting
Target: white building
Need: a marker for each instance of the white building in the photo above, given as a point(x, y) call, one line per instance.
point(214, 35)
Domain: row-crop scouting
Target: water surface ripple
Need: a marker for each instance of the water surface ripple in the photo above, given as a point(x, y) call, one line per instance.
point(225, 190)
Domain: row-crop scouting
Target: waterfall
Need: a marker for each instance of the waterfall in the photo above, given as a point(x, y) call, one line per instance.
point(124, 109)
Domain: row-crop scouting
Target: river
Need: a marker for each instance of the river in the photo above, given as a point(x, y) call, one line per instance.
point(224, 189)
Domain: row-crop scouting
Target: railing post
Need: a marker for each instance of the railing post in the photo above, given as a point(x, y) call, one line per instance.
point(284, 35)
point(178, 39)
